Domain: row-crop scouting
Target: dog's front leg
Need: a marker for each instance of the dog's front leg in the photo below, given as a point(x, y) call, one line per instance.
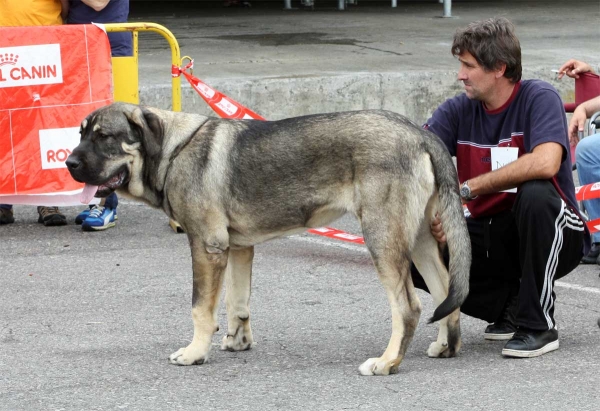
point(238, 279)
point(209, 261)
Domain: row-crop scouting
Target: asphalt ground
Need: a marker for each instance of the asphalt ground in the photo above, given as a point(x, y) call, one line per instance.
point(88, 320)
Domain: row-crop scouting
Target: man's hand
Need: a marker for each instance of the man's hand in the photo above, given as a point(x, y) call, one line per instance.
point(437, 230)
point(577, 124)
point(573, 68)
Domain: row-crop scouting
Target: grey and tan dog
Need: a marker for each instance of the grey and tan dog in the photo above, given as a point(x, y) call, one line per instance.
point(232, 184)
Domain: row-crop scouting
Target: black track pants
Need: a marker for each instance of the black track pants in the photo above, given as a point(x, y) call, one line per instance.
point(522, 251)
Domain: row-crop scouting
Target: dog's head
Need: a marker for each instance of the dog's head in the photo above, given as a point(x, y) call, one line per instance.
point(115, 141)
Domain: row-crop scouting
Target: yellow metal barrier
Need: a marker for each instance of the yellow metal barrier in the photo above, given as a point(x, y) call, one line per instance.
point(126, 76)
point(126, 71)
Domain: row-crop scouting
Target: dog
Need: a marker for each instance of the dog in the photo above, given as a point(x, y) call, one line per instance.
point(232, 184)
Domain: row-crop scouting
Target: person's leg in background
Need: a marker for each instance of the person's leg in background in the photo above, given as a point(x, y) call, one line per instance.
point(100, 217)
point(49, 216)
point(6, 214)
point(588, 170)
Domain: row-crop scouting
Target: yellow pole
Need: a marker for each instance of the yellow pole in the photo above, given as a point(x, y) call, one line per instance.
point(175, 60)
point(175, 52)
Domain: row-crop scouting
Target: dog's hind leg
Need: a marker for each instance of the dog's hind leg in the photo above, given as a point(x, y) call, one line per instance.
point(389, 240)
point(428, 259)
point(209, 263)
point(406, 310)
point(238, 279)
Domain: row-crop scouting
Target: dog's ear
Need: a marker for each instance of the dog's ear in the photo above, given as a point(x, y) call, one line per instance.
point(150, 127)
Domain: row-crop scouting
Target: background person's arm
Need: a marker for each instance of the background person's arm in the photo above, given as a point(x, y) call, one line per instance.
point(64, 12)
point(573, 68)
point(580, 115)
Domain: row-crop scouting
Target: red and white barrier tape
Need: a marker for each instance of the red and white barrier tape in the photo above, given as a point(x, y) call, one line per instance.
point(588, 192)
point(227, 108)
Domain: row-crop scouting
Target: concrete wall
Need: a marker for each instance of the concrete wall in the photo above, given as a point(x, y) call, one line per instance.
point(413, 94)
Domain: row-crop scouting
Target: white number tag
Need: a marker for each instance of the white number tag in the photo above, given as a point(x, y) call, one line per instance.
point(502, 156)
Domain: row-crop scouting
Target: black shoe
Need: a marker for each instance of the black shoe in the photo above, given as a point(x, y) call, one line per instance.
point(504, 327)
point(531, 343)
point(6, 216)
point(592, 256)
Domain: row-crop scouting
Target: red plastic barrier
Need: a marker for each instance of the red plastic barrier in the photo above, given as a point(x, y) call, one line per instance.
point(594, 225)
point(587, 192)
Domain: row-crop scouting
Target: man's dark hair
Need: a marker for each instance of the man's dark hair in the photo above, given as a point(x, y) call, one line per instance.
point(492, 42)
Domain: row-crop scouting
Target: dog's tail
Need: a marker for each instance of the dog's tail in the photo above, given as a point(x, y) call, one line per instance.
point(455, 226)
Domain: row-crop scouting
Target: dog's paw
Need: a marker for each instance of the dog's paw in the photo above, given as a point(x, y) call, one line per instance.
point(189, 355)
point(440, 350)
point(237, 342)
point(377, 366)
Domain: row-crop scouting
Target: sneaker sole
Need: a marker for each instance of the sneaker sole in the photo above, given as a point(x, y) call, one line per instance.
point(498, 337)
point(79, 222)
point(551, 346)
point(99, 228)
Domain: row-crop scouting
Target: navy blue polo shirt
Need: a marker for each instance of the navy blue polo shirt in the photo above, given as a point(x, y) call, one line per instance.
point(116, 11)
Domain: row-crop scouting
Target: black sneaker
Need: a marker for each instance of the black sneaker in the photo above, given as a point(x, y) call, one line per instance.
point(6, 216)
point(51, 216)
point(504, 327)
point(593, 255)
point(531, 343)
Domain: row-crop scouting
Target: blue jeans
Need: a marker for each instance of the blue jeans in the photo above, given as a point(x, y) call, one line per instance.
point(111, 201)
point(6, 206)
point(588, 169)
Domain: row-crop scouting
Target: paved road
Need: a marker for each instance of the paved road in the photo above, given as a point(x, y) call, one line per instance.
point(88, 320)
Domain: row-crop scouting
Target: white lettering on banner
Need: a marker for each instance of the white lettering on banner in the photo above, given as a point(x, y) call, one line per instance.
point(595, 187)
point(30, 65)
point(322, 229)
point(227, 107)
point(205, 90)
point(56, 144)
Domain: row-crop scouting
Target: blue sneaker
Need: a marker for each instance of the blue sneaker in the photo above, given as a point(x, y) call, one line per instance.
point(85, 214)
point(82, 216)
point(99, 218)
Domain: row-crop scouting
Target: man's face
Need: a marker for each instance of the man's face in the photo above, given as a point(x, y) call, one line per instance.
point(479, 83)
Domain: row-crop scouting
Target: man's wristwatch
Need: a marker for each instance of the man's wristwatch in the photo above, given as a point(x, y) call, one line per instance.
point(465, 192)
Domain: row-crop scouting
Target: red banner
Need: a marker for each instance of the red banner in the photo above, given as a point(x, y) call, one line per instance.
point(51, 77)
